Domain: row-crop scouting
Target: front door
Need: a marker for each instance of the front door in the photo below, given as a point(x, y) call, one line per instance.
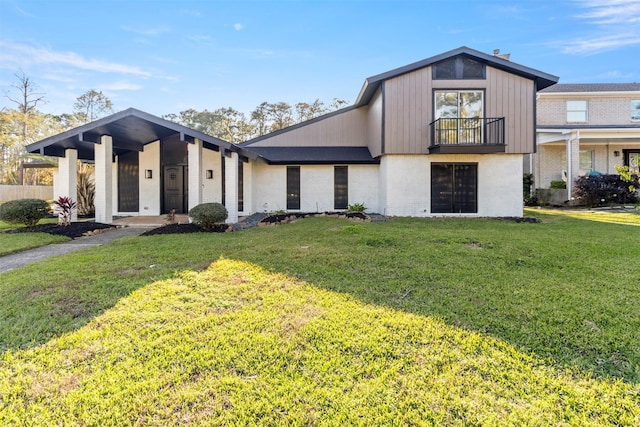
point(176, 189)
point(632, 159)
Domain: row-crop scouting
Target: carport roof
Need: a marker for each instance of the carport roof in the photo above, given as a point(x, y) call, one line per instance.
point(130, 130)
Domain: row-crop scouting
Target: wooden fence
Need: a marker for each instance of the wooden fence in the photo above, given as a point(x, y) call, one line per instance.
point(15, 192)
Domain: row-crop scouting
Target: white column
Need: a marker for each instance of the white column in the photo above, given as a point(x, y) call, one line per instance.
point(67, 182)
point(194, 152)
point(573, 161)
point(104, 191)
point(231, 187)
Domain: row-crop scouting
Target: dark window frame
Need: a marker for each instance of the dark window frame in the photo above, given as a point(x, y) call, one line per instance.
point(293, 187)
point(456, 187)
point(240, 185)
point(340, 187)
point(458, 68)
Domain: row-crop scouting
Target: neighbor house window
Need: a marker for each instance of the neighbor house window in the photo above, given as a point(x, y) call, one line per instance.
point(459, 68)
point(340, 187)
point(635, 110)
point(293, 187)
point(576, 111)
point(454, 188)
point(586, 161)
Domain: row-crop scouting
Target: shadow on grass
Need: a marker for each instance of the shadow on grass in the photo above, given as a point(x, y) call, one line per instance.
point(563, 291)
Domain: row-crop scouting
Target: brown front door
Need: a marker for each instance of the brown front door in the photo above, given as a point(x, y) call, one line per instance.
point(175, 189)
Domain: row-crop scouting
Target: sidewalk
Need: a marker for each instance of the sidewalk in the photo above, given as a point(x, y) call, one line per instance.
point(19, 259)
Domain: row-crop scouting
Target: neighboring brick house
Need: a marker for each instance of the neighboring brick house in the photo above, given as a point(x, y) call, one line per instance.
point(583, 128)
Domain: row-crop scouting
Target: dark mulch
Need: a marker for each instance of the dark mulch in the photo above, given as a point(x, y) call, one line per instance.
point(185, 228)
point(519, 219)
point(72, 231)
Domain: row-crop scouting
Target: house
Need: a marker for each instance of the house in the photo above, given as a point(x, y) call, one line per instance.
point(442, 136)
point(583, 128)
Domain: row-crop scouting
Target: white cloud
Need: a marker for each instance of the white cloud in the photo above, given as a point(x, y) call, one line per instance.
point(611, 25)
point(238, 26)
point(23, 55)
point(606, 12)
point(121, 85)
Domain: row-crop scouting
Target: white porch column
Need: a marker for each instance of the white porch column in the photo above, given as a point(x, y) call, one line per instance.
point(67, 182)
point(104, 191)
point(194, 152)
point(573, 161)
point(231, 186)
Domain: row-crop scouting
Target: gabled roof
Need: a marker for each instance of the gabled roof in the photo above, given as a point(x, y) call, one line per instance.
point(593, 87)
point(130, 130)
point(315, 155)
point(372, 84)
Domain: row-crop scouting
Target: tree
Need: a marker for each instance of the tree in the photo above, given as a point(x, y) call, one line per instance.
point(19, 126)
point(92, 105)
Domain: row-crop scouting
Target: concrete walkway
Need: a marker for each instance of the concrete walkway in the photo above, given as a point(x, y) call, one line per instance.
point(19, 259)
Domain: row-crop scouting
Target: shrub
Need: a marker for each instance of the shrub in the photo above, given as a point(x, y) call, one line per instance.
point(24, 211)
point(206, 215)
point(558, 185)
point(597, 190)
point(65, 206)
point(357, 207)
point(529, 196)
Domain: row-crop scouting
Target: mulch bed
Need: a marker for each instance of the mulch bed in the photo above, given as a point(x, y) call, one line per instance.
point(184, 229)
point(72, 231)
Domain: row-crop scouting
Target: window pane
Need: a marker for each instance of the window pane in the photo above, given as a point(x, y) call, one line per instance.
point(293, 187)
point(340, 187)
point(441, 188)
point(472, 69)
point(586, 161)
point(240, 185)
point(576, 111)
point(445, 69)
point(635, 110)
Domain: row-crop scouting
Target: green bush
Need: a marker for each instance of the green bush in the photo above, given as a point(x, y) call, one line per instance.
point(357, 207)
point(558, 185)
point(206, 215)
point(24, 211)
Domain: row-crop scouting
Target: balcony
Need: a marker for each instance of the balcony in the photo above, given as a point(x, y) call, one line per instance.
point(477, 135)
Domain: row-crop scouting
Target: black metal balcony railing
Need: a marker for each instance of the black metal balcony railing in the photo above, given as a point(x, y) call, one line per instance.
point(467, 131)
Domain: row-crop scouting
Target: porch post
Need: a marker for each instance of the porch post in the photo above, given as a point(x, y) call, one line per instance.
point(231, 186)
point(67, 183)
point(104, 192)
point(573, 161)
point(194, 152)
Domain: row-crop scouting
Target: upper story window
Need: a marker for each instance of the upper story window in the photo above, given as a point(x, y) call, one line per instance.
point(635, 110)
point(458, 68)
point(576, 111)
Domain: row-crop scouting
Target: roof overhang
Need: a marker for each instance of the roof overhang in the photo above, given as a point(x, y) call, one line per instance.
point(372, 84)
point(130, 130)
point(315, 155)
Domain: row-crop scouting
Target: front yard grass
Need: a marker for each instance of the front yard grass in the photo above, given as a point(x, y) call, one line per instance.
point(329, 322)
point(11, 243)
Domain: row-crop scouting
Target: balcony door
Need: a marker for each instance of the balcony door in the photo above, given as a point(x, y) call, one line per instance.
point(461, 114)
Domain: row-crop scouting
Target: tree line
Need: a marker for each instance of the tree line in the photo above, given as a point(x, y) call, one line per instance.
point(24, 123)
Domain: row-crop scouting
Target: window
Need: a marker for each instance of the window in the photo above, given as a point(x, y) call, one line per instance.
point(293, 187)
point(240, 185)
point(586, 162)
point(635, 110)
point(454, 188)
point(576, 111)
point(340, 187)
point(459, 117)
point(458, 68)
point(632, 159)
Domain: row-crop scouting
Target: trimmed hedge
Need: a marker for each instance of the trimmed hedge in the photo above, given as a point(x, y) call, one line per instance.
point(207, 215)
point(24, 211)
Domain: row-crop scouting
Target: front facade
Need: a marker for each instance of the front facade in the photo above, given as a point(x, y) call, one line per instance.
point(586, 128)
point(443, 136)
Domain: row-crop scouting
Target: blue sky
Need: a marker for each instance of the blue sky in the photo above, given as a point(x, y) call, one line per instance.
point(165, 56)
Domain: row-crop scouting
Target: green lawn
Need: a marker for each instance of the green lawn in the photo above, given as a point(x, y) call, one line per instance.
point(329, 322)
point(11, 243)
